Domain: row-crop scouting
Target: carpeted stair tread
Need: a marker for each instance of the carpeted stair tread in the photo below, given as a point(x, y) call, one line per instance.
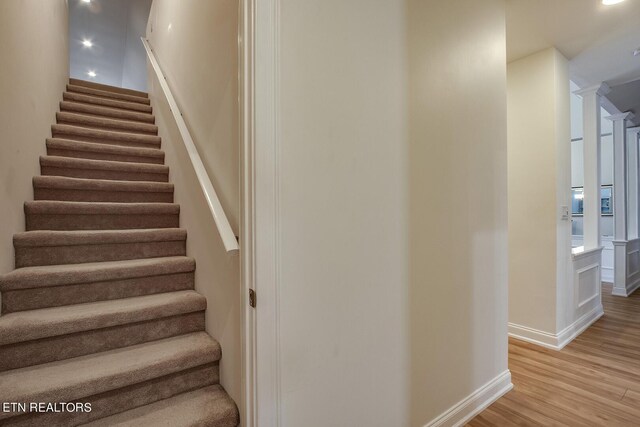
point(208, 406)
point(103, 123)
point(108, 88)
point(107, 94)
point(49, 322)
point(105, 136)
point(47, 247)
point(101, 307)
point(106, 102)
point(77, 378)
point(63, 188)
point(115, 113)
point(55, 207)
point(67, 274)
point(65, 215)
point(96, 237)
point(103, 169)
point(88, 150)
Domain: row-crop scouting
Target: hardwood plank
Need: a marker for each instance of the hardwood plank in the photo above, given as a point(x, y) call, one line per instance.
point(594, 381)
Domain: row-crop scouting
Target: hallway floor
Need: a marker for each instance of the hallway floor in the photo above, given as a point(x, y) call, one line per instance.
point(594, 381)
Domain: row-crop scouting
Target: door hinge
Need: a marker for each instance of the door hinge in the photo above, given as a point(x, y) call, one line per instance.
point(252, 298)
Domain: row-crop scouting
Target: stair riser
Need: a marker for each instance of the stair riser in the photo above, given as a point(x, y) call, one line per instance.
point(39, 351)
point(107, 95)
point(117, 127)
point(104, 174)
point(104, 102)
point(120, 143)
point(100, 222)
point(55, 296)
point(123, 399)
point(107, 113)
point(102, 196)
point(91, 155)
point(27, 256)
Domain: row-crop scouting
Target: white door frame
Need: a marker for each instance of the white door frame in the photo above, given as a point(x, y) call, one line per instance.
point(259, 112)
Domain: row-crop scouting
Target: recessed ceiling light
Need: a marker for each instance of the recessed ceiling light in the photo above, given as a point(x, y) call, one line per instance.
point(636, 52)
point(91, 73)
point(87, 43)
point(86, 1)
point(610, 2)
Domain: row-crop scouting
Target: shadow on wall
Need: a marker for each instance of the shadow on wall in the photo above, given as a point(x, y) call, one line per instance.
point(104, 42)
point(458, 208)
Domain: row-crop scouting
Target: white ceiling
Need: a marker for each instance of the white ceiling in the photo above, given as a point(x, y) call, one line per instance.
point(597, 40)
point(114, 27)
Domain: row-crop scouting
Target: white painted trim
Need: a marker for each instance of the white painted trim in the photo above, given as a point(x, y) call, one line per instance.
point(463, 411)
point(622, 116)
point(570, 333)
point(631, 288)
point(595, 266)
point(261, 201)
point(533, 336)
point(607, 274)
point(556, 341)
point(629, 272)
point(579, 255)
point(601, 89)
point(248, 409)
point(220, 218)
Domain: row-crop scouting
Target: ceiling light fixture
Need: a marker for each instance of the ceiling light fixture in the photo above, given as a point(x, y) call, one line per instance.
point(611, 2)
point(86, 1)
point(636, 52)
point(91, 73)
point(87, 43)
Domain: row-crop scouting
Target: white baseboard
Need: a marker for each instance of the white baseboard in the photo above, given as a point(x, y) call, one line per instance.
point(534, 336)
point(631, 289)
point(607, 274)
point(556, 341)
point(569, 333)
point(463, 411)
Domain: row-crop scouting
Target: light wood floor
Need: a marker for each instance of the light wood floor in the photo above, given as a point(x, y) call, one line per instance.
point(594, 381)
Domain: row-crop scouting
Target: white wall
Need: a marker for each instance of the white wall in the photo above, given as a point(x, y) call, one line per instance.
point(195, 43)
point(134, 66)
point(539, 184)
point(393, 219)
point(35, 68)
point(114, 27)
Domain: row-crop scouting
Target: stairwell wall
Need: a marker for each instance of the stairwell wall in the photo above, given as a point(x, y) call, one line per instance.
point(195, 43)
point(35, 69)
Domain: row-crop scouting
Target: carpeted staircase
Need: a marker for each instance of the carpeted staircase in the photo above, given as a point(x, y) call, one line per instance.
point(101, 307)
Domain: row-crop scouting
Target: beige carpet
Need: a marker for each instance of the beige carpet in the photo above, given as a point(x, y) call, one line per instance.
point(101, 309)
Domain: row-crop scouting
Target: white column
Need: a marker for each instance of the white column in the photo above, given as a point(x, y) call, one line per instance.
point(633, 186)
point(591, 137)
point(620, 202)
point(620, 174)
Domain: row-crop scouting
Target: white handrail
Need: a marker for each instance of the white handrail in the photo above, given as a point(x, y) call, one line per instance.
point(224, 228)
